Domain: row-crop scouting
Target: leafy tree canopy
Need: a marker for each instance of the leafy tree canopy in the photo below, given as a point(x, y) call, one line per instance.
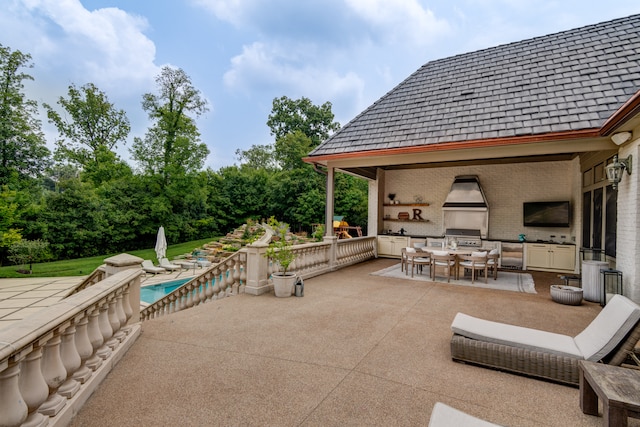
point(90, 127)
point(23, 152)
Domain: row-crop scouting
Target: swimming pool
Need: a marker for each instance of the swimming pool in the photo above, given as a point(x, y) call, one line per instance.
point(153, 293)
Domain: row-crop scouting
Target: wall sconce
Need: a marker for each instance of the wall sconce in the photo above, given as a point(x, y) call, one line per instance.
point(614, 170)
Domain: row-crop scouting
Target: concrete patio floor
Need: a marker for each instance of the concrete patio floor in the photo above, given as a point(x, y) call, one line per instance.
point(357, 350)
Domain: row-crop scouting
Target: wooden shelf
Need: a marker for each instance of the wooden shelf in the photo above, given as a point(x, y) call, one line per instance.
point(405, 220)
point(406, 204)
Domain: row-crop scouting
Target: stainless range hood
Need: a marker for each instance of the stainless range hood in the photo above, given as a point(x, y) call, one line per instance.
point(466, 207)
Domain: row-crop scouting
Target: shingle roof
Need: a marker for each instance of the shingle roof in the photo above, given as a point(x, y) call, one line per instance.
point(568, 81)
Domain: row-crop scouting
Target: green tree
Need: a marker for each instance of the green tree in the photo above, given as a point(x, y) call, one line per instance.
point(9, 234)
point(172, 145)
point(257, 157)
point(23, 152)
point(29, 251)
point(288, 115)
point(90, 129)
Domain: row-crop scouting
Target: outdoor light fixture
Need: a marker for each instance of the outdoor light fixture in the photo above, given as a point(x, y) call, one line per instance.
point(614, 170)
point(621, 137)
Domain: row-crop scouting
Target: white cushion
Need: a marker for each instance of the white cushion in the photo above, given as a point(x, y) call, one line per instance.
point(515, 336)
point(479, 254)
point(411, 250)
point(610, 327)
point(440, 253)
point(446, 416)
point(494, 251)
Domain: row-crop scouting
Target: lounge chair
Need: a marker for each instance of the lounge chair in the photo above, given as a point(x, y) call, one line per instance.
point(608, 339)
point(446, 416)
point(167, 265)
point(148, 267)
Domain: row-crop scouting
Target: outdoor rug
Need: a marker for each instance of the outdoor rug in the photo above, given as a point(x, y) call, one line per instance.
point(507, 280)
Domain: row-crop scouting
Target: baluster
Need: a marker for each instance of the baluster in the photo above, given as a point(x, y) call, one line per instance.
point(216, 285)
point(33, 387)
point(172, 304)
point(229, 277)
point(126, 306)
point(209, 292)
point(189, 291)
point(12, 406)
point(236, 274)
point(105, 329)
point(182, 299)
point(95, 337)
point(243, 271)
point(54, 374)
point(114, 321)
point(85, 350)
point(122, 316)
point(201, 291)
point(71, 361)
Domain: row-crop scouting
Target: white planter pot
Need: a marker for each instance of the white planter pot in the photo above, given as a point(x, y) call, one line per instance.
point(283, 285)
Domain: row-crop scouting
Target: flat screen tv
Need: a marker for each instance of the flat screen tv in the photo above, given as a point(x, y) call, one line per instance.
point(546, 214)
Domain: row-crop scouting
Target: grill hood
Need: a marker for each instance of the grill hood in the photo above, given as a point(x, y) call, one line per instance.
point(466, 207)
point(466, 193)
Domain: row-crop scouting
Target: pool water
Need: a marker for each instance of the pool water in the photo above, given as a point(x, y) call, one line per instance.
point(153, 293)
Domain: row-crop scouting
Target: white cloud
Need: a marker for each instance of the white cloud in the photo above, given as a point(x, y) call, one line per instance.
point(269, 67)
point(400, 21)
point(105, 46)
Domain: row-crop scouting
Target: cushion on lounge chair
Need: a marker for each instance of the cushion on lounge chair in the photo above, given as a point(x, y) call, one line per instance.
point(511, 335)
point(608, 329)
point(166, 264)
point(446, 416)
point(148, 267)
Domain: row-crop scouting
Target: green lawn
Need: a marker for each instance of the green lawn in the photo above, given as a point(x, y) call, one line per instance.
point(84, 266)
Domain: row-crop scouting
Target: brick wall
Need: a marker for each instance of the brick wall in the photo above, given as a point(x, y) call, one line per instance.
point(506, 187)
point(628, 234)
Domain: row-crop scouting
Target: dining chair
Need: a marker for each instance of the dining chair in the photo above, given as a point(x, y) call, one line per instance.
point(445, 260)
point(476, 261)
point(404, 257)
point(492, 262)
point(419, 259)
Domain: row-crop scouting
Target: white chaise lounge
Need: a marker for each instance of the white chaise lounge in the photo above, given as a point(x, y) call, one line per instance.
point(148, 267)
point(446, 416)
point(608, 339)
point(167, 265)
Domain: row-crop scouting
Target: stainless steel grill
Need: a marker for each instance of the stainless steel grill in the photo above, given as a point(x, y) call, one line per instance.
point(464, 237)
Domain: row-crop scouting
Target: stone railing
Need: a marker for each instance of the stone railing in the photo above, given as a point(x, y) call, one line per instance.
point(353, 251)
point(97, 276)
point(224, 279)
point(51, 361)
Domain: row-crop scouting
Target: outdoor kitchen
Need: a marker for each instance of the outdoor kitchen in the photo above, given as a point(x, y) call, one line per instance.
point(482, 209)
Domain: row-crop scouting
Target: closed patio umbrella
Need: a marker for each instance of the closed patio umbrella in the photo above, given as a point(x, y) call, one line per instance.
point(161, 244)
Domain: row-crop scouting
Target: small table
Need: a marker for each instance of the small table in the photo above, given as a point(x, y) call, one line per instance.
point(619, 389)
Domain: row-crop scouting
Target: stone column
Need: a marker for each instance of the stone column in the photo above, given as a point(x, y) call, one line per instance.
point(121, 262)
point(257, 269)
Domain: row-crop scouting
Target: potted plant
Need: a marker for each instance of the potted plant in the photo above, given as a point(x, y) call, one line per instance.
point(280, 252)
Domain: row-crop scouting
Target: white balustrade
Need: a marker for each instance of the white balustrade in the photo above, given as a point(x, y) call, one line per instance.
point(45, 359)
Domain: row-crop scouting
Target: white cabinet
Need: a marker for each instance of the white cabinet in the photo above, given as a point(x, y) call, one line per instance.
point(552, 257)
point(391, 246)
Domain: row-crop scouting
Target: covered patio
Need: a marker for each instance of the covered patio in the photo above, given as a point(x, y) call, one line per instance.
point(357, 349)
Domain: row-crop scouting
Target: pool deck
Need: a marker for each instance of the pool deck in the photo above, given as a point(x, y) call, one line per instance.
point(356, 350)
point(24, 296)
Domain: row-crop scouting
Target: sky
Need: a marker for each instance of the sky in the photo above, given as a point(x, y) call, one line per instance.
point(241, 54)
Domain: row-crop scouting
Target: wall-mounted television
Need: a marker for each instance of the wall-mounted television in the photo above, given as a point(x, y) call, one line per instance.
point(546, 214)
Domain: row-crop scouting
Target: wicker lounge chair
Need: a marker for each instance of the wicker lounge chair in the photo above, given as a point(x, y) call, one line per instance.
point(446, 416)
point(608, 339)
